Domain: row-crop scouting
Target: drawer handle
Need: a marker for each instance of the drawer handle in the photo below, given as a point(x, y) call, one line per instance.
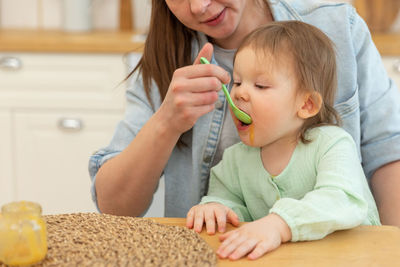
point(396, 66)
point(70, 124)
point(10, 63)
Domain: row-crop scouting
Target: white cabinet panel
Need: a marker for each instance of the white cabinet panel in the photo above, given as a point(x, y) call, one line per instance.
point(55, 111)
point(62, 80)
point(6, 186)
point(52, 162)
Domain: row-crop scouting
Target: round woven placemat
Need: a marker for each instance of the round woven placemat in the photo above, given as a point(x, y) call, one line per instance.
point(90, 239)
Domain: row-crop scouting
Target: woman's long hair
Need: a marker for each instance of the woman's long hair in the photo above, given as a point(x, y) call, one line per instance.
point(168, 47)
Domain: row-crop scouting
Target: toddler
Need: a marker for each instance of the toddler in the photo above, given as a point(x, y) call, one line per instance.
point(295, 175)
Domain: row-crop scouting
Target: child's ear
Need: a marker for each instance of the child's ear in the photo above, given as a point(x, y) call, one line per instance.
point(312, 103)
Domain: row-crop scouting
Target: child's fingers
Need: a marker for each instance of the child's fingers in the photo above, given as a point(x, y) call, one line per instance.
point(190, 218)
point(232, 217)
point(198, 221)
point(210, 221)
point(260, 249)
point(230, 244)
point(226, 235)
point(220, 216)
point(243, 249)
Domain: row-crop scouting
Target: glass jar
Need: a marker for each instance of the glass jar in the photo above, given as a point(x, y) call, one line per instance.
point(23, 235)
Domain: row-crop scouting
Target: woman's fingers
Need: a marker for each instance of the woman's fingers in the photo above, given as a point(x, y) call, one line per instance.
point(206, 51)
point(189, 88)
point(203, 70)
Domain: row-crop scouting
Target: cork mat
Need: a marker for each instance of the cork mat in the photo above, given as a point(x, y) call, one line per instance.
point(90, 239)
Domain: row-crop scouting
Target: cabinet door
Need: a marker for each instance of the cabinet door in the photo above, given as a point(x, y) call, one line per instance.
point(52, 153)
point(6, 162)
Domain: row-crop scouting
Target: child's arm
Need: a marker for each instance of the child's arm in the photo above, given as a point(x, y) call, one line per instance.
point(224, 186)
point(340, 198)
point(209, 214)
point(224, 201)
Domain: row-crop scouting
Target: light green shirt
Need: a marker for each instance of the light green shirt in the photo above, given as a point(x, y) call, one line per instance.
point(322, 189)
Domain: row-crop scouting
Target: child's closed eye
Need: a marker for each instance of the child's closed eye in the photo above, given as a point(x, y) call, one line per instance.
point(261, 86)
point(236, 83)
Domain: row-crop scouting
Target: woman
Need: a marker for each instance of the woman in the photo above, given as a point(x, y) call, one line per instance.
point(176, 120)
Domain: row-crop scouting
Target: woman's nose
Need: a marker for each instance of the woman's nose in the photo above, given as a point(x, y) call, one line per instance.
point(199, 6)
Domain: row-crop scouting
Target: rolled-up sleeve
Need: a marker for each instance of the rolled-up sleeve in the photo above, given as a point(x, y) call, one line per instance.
point(379, 103)
point(138, 111)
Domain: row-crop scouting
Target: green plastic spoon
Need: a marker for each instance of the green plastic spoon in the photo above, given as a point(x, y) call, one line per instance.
point(242, 116)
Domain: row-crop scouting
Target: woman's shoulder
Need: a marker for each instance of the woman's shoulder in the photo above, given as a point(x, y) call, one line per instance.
point(307, 7)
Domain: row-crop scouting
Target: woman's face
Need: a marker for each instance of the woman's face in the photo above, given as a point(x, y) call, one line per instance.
point(226, 21)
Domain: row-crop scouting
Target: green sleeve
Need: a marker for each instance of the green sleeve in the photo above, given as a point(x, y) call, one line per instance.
point(224, 187)
point(337, 200)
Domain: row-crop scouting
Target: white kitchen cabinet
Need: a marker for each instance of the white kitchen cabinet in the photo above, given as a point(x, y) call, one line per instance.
point(6, 186)
point(55, 111)
point(52, 151)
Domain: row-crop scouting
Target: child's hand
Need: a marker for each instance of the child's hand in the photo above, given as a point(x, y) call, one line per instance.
point(258, 237)
point(210, 213)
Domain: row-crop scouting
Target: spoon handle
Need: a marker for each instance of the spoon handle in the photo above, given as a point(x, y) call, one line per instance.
point(227, 95)
point(203, 60)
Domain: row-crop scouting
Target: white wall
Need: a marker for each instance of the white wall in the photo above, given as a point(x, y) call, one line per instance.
point(48, 14)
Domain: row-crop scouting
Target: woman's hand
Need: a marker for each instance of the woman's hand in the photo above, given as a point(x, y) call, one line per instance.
point(211, 213)
point(193, 92)
point(258, 238)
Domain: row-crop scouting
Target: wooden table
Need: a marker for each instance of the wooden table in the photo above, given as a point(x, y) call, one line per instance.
point(362, 246)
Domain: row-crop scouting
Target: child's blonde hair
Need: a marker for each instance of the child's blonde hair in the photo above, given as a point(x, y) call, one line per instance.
point(314, 61)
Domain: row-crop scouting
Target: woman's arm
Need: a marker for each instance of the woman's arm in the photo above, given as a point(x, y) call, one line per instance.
point(380, 125)
point(385, 185)
point(126, 183)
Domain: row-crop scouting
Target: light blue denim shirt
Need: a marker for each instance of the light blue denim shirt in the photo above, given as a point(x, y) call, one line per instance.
point(367, 100)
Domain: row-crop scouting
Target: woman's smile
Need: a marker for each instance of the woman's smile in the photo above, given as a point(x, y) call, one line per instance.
point(214, 21)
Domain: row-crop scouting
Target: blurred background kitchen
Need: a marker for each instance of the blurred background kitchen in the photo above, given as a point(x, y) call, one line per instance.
point(61, 65)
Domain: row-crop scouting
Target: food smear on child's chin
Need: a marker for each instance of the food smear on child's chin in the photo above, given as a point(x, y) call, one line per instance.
point(243, 127)
point(251, 134)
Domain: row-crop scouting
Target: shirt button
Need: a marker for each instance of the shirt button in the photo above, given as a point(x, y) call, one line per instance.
point(207, 159)
point(219, 104)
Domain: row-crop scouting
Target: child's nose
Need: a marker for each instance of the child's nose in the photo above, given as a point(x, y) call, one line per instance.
point(199, 6)
point(240, 93)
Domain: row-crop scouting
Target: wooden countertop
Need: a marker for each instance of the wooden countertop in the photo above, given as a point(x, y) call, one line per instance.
point(361, 246)
point(58, 41)
point(117, 42)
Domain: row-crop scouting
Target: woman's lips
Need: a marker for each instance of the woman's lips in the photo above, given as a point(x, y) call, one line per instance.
point(216, 20)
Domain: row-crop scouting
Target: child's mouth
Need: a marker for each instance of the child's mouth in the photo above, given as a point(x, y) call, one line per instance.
point(242, 126)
